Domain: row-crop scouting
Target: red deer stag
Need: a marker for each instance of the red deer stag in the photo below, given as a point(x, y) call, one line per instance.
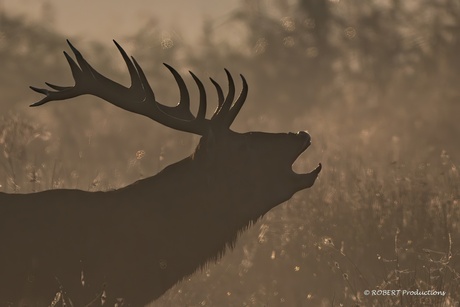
point(138, 241)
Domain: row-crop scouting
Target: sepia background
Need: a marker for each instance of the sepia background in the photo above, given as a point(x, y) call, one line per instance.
point(375, 82)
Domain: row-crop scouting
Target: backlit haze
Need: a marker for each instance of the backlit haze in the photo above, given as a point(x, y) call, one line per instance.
point(375, 82)
point(103, 20)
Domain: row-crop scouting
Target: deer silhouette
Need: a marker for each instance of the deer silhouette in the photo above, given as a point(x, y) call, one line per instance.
point(138, 241)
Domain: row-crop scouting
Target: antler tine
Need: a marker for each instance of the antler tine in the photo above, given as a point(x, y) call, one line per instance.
point(84, 65)
point(57, 87)
point(220, 96)
point(136, 83)
point(225, 107)
point(201, 114)
point(183, 107)
point(233, 112)
point(149, 95)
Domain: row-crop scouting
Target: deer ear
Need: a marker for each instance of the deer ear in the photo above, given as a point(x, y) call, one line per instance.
point(205, 151)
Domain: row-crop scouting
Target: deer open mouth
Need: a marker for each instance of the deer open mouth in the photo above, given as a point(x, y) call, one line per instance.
point(308, 179)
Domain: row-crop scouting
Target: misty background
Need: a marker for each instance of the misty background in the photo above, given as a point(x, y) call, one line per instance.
point(376, 83)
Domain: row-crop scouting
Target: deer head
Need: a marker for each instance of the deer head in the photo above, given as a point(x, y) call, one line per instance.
point(173, 222)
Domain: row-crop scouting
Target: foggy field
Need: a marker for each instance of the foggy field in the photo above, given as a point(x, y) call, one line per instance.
point(377, 85)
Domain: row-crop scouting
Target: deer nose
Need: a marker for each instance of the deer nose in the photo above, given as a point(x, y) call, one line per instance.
point(305, 135)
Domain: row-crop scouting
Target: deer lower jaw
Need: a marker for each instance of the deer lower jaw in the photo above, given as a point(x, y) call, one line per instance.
point(303, 181)
point(299, 182)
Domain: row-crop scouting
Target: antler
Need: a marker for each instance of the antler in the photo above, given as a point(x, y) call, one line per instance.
point(139, 97)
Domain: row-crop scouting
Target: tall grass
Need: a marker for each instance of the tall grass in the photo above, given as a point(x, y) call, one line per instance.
point(384, 215)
